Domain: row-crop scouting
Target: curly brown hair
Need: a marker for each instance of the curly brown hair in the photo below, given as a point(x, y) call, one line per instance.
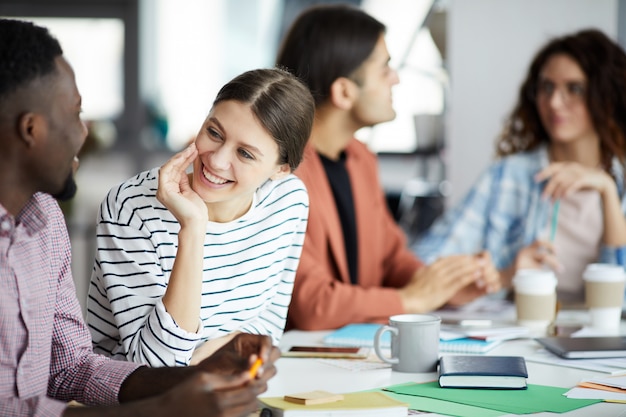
point(604, 65)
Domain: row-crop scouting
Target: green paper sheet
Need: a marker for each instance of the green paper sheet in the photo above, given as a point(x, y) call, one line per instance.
point(447, 408)
point(535, 399)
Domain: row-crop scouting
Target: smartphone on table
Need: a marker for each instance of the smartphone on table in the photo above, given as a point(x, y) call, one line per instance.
point(336, 352)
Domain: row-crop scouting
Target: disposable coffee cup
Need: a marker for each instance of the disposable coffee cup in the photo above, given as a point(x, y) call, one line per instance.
point(604, 294)
point(414, 342)
point(535, 298)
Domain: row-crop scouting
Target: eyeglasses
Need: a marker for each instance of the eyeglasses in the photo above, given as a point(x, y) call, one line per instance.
point(571, 93)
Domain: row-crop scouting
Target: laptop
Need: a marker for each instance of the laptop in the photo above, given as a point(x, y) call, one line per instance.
point(585, 347)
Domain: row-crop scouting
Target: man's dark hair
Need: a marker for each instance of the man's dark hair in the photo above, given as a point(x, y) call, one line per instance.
point(328, 42)
point(27, 52)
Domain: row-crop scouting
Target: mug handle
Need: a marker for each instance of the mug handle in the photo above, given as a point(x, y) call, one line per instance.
point(377, 337)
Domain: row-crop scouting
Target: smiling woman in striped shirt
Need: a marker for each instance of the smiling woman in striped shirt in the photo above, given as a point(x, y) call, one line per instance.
point(185, 261)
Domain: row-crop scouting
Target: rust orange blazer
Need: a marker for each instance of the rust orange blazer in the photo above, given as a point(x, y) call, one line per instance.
point(323, 297)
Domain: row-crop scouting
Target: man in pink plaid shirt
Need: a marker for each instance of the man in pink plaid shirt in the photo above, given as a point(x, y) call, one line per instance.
point(46, 356)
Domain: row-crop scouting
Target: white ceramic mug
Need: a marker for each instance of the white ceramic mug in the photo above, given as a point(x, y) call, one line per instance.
point(414, 342)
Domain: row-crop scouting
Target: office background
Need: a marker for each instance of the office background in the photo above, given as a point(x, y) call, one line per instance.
point(149, 69)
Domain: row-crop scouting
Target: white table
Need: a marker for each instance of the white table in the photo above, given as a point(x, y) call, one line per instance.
point(301, 375)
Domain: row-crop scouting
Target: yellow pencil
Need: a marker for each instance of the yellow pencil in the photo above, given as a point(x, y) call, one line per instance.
point(255, 367)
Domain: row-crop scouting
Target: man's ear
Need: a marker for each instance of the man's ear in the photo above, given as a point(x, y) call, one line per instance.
point(342, 93)
point(282, 172)
point(31, 127)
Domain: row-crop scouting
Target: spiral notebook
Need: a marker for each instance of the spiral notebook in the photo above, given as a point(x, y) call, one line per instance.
point(362, 335)
point(467, 345)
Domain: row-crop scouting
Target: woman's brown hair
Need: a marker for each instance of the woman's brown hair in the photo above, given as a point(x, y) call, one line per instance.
point(283, 105)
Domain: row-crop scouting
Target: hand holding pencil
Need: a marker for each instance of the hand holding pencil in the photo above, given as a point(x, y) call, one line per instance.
point(245, 352)
point(254, 369)
point(229, 381)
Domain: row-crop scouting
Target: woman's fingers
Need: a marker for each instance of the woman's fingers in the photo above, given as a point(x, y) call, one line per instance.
point(565, 178)
point(178, 163)
point(538, 255)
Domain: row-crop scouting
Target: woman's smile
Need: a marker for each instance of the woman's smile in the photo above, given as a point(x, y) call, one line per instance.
point(212, 178)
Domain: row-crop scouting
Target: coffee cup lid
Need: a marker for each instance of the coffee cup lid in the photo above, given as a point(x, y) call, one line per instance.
point(604, 272)
point(539, 281)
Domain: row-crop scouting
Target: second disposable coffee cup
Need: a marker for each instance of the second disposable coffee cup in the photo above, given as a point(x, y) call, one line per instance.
point(604, 294)
point(535, 297)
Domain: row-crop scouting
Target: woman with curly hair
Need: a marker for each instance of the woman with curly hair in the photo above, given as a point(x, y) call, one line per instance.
point(555, 197)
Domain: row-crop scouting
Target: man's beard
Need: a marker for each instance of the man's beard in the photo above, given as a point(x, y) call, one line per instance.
point(68, 191)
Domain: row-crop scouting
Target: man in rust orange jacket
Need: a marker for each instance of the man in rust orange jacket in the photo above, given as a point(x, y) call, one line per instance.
point(355, 265)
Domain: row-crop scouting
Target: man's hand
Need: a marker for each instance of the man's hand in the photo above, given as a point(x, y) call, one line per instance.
point(488, 282)
point(240, 353)
point(207, 394)
point(457, 278)
point(188, 391)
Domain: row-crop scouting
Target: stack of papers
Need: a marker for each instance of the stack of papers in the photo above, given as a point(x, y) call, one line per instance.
point(358, 404)
point(611, 366)
point(611, 388)
point(495, 332)
point(485, 402)
point(477, 339)
point(485, 308)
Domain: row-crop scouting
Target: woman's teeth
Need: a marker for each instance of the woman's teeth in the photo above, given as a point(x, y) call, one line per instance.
point(213, 178)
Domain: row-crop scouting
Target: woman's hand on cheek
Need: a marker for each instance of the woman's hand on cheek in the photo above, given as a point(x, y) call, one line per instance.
point(175, 191)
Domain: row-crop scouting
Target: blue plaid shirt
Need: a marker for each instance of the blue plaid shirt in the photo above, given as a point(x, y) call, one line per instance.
point(503, 213)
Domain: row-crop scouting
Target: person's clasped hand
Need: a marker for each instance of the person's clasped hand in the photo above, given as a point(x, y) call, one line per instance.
point(452, 279)
point(487, 280)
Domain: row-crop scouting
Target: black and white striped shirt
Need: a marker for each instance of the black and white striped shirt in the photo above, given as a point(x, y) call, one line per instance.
point(249, 269)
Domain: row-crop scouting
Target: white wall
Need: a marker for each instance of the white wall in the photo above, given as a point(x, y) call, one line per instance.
point(490, 46)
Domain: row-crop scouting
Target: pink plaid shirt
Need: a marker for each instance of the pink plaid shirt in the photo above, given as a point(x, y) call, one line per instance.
point(46, 356)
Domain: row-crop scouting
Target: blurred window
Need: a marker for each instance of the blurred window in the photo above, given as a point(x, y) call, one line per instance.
point(98, 63)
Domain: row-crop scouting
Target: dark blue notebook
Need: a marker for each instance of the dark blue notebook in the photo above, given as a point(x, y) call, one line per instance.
point(473, 371)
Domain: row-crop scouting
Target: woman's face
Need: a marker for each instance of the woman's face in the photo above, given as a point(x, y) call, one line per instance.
point(561, 101)
point(236, 155)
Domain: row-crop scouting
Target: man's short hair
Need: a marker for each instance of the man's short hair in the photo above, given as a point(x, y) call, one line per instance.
point(27, 52)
